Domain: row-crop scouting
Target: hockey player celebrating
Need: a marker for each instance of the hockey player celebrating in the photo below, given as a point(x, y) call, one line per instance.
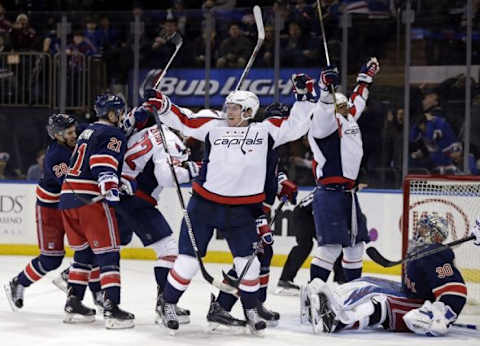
point(336, 143)
point(429, 301)
point(91, 225)
point(232, 178)
point(50, 229)
point(145, 173)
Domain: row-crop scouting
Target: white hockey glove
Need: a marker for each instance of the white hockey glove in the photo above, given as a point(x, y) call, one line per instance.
point(264, 230)
point(193, 168)
point(108, 184)
point(430, 319)
point(368, 71)
point(128, 186)
point(476, 231)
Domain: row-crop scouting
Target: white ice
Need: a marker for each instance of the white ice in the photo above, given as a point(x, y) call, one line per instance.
point(40, 321)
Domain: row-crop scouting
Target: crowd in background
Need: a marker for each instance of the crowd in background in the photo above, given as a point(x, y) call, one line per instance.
point(436, 112)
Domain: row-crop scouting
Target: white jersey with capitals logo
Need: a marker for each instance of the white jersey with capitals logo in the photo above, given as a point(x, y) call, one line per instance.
point(336, 141)
point(235, 163)
point(147, 145)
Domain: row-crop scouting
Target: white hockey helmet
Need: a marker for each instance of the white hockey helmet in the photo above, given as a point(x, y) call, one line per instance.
point(247, 100)
point(340, 98)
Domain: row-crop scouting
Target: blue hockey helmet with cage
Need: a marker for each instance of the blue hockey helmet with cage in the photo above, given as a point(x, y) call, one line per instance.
point(57, 123)
point(108, 102)
point(431, 229)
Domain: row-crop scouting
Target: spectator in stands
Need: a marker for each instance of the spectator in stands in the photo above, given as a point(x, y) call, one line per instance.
point(160, 50)
point(219, 4)
point(178, 11)
point(3, 45)
point(6, 171)
point(92, 34)
point(280, 7)
point(199, 49)
point(434, 145)
point(81, 45)
point(295, 49)
point(109, 37)
point(5, 25)
point(51, 41)
point(267, 52)
point(393, 139)
point(304, 13)
point(23, 36)
point(234, 50)
point(35, 171)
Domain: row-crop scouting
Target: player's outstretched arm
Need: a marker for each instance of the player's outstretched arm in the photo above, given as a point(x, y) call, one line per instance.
point(365, 78)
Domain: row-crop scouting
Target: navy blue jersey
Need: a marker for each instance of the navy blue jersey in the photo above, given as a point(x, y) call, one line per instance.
point(100, 148)
point(435, 277)
point(55, 166)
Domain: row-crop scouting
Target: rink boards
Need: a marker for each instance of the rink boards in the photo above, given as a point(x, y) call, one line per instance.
point(383, 209)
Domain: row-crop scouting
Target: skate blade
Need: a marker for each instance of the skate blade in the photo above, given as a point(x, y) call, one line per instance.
point(272, 323)
point(112, 323)
point(288, 292)
point(172, 332)
point(77, 318)
point(260, 333)
point(183, 319)
point(222, 328)
point(60, 283)
point(8, 293)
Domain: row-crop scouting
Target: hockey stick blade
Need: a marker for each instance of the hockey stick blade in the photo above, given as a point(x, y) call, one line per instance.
point(379, 259)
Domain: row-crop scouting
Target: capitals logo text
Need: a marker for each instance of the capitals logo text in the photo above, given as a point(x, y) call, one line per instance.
point(238, 140)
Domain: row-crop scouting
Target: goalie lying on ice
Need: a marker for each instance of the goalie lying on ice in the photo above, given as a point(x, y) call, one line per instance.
point(428, 302)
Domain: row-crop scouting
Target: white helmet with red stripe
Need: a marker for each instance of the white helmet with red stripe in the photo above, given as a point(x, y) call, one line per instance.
point(247, 100)
point(340, 98)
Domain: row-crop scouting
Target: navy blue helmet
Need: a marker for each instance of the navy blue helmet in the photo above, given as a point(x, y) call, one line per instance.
point(57, 123)
point(108, 102)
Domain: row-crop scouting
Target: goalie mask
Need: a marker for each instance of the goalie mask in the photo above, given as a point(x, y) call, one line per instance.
point(431, 229)
point(58, 123)
point(245, 99)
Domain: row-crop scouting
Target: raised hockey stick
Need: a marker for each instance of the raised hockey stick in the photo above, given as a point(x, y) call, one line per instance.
point(257, 13)
point(236, 282)
point(379, 259)
point(153, 77)
point(218, 284)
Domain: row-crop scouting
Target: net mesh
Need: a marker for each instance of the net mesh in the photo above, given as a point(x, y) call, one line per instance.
point(459, 203)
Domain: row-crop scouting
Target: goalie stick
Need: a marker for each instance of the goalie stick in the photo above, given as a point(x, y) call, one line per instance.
point(236, 282)
point(379, 259)
point(257, 13)
point(218, 284)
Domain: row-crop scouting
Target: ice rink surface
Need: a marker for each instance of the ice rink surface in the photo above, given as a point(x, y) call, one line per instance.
point(40, 321)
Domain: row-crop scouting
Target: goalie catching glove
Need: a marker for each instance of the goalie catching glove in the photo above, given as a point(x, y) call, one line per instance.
point(161, 103)
point(431, 319)
point(287, 188)
point(108, 184)
point(368, 71)
point(264, 230)
point(304, 88)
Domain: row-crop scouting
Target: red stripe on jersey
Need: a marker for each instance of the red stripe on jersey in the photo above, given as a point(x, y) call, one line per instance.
point(353, 111)
point(146, 197)
point(456, 288)
point(78, 276)
point(314, 168)
point(32, 273)
point(253, 282)
point(258, 198)
point(110, 278)
point(178, 278)
point(337, 180)
point(277, 121)
point(103, 160)
point(190, 122)
point(264, 279)
point(46, 196)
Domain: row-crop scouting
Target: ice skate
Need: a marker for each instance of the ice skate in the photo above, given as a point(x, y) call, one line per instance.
point(218, 317)
point(271, 317)
point(322, 316)
point(76, 312)
point(169, 317)
point(116, 318)
point(183, 315)
point(14, 291)
point(61, 281)
point(287, 288)
point(256, 324)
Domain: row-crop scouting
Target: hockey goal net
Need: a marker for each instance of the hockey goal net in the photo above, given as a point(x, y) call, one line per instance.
point(456, 198)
